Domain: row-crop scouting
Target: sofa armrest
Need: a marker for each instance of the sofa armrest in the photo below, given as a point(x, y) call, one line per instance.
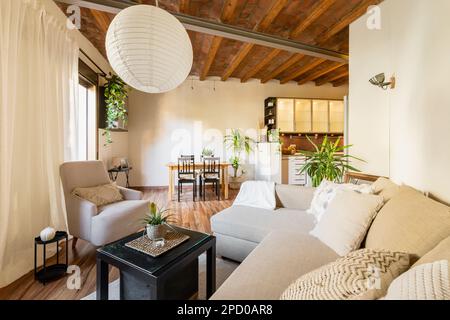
point(79, 216)
point(130, 194)
point(294, 197)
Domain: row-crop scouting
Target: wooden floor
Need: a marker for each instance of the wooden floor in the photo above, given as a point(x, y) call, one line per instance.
point(191, 215)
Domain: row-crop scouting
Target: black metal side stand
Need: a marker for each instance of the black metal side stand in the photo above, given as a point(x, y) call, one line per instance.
point(55, 271)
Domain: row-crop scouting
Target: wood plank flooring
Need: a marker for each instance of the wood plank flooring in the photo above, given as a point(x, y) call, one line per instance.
point(190, 215)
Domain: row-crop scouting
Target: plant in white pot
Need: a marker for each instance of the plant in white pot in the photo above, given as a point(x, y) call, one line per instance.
point(155, 222)
point(238, 143)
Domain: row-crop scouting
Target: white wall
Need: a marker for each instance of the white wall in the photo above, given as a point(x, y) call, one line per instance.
point(162, 126)
point(403, 132)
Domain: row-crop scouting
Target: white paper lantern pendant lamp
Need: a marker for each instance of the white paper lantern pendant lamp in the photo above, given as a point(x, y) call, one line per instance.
point(149, 49)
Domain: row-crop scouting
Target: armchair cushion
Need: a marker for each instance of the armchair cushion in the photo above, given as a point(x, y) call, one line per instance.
point(100, 195)
point(130, 194)
point(117, 220)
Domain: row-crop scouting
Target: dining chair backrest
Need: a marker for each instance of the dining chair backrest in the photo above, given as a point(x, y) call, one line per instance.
point(186, 164)
point(211, 165)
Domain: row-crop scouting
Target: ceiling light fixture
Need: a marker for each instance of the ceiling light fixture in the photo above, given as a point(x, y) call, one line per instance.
point(149, 49)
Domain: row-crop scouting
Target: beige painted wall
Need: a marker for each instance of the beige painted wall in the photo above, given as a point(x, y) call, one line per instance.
point(403, 132)
point(162, 126)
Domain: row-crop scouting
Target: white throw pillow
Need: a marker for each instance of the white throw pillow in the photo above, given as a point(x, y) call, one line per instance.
point(326, 192)
point(346, 220)
point(425, 282)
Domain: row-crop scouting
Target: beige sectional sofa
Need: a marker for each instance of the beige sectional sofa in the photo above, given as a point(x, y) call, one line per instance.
point(276, 248)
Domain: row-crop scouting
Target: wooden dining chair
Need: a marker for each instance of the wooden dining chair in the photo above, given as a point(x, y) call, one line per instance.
point(210, 174)
point(187, 174)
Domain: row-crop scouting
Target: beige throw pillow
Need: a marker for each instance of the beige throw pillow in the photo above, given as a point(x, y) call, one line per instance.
point(410, 222)
point(346, 220)
point(361, 275)
point(100, 195)
point(326, 192)
point(428, 281)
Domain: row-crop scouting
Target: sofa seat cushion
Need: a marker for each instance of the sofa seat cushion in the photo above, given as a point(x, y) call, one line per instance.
point(117, 220)
point(275, 263)
point(254, 224)
point(409, 222)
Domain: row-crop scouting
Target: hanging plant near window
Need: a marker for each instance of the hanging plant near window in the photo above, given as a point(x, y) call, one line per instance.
point(116, 94)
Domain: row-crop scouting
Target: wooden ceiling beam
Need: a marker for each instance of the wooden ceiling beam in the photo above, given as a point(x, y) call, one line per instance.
point(184, 6)
point(319, 9)
point(228, 12)
point(253, 71)
point(340, 82)
point(343, 74)
point(102, 19)
point(270, 16)
point(286, 65)
point(333, 30)
point(320, 73)
point(302, 70)
point(344, 22)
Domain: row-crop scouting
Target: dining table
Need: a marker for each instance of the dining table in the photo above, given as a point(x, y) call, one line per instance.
point(173, 167)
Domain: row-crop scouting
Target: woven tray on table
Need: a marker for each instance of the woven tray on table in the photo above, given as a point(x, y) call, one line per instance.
point(145, 245)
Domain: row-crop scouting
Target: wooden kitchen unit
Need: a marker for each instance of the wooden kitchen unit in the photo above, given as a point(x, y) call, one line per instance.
point(298, 119)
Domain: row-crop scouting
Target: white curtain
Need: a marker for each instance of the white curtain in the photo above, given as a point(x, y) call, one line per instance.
point(38, 82)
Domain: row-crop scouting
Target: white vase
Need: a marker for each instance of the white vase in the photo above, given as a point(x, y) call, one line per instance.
point(155, 232)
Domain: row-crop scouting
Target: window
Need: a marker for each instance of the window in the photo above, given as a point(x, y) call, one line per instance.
point(87, 121)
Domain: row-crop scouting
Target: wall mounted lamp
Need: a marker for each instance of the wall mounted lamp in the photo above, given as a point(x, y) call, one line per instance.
point(379, 81)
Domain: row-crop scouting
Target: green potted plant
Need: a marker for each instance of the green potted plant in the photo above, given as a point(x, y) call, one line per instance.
point(116, 94)
point(155, 222)
point(237, 143)
point(327, 161)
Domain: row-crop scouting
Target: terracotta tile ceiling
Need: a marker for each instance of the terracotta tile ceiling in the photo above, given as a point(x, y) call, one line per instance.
point(322, 23)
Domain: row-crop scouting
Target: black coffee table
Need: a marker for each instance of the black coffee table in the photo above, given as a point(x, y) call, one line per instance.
point(171, 276)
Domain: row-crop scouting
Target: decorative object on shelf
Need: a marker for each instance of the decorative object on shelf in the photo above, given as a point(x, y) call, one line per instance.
point(116, 94)
point(327, 162)
point(47, 234)
point(48, 273)
point(379, 81)
point(149, 48)
point(156, 222)
point(237, 143)
point(119, 163)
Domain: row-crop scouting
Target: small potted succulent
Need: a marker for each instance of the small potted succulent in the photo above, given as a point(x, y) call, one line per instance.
point(156, 221)
point(206, 153)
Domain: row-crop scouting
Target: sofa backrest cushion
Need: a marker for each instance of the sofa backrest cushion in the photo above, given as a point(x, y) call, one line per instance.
point(386, 188)
point(409, 222)
point(438, 253)
point(293, 197)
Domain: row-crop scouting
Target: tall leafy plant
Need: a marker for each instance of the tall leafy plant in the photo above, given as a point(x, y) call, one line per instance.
point(237, 143)
point(116, 94)
point(328, 161)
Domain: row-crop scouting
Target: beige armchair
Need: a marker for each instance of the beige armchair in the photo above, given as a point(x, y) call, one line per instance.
point(98, 225)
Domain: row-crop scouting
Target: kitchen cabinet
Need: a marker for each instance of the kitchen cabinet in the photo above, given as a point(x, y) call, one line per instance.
point(292, 115)
point(320, 119)
point(302, 115)
point(296, 163)
point(285, 115)
point(337, 111)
